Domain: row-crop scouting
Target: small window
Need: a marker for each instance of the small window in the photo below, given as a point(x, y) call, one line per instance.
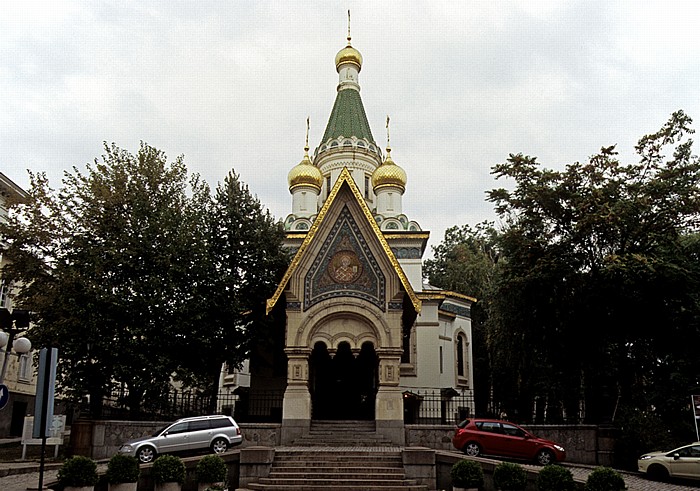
point(366, 187)
point(302, 226)
point(25, 368)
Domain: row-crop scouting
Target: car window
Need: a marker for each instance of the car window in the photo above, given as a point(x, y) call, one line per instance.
point(512, 430)
point(199, 424)
point(178, 428)
point(221, 422)
point(489, 426)
point(689, 451)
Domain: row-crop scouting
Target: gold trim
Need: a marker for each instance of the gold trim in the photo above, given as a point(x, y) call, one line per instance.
point(413, 235)
point(295, 235)
point(346, 178)
point(431, 296)
point(459, 295)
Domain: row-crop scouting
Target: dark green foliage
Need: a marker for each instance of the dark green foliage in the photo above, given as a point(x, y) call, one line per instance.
point(122, 468)
point(78, 471)
point(211, 469)
point(467, 474)
point(555, 478)
point(605, 479)
point(509, 476)
point(136, 274)
point(169, 468)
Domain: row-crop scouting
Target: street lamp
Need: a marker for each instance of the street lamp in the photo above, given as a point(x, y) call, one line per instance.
point(12, 323)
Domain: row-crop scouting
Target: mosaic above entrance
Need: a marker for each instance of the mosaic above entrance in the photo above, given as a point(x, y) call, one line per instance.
point(345, 266)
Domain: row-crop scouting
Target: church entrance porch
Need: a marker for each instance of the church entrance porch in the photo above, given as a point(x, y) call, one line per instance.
point(343, 382)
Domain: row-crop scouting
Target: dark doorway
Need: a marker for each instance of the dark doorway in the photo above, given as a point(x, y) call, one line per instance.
point(19, 411)
point(343, 386)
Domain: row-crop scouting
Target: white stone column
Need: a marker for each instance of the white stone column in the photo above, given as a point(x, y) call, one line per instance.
point(296, 407)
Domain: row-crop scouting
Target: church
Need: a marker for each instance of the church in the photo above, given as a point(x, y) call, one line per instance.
point(361, 336)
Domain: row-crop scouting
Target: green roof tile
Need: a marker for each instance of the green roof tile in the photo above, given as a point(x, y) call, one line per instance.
point(348, 117)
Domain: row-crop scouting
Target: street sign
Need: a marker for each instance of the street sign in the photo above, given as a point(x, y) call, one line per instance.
point(4, 395)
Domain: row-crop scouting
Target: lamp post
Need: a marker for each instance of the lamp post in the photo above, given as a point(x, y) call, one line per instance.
point(13, 323)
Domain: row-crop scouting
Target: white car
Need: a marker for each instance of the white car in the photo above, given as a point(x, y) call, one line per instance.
point(682, 462)
point(217, 433)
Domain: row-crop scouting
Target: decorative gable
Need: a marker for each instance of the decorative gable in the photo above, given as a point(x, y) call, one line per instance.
point(345, 266)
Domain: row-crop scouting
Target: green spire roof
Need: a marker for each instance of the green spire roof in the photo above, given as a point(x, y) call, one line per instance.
point(348, 117)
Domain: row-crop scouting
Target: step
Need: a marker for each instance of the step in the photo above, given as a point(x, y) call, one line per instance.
point(352, 487)
point(295, 472)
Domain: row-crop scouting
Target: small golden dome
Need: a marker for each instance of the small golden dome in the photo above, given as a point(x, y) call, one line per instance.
point(348, 55)
point(389, 174)
point(305, 173)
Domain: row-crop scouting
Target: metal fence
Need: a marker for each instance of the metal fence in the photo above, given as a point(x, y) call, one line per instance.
point(420, 406)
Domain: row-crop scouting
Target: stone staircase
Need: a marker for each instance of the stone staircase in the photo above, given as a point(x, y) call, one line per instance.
point(338, 456)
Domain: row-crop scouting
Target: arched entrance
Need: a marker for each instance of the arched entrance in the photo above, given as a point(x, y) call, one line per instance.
point(343, 384)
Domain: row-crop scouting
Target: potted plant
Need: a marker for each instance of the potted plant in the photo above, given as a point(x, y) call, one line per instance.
point(78, 473)
point(466, 475)
point(168, 473)
point(123, 473)
point(508, 476)
point(605, 479)
point(555, 478)
point(211, 473)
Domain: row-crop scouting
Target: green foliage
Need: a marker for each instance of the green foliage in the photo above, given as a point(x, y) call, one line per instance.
point(211, 469)
point(122, 468)
point(467, 474)
point(555, 478)
point(136, 273)
point(604, 479)
point(509, 476)
point(606, 248)
point(169, 468)
point(78, 471)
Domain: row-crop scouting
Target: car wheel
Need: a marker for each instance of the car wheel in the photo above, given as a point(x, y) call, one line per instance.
point(146, 454)
point(472, 449)
point(545, 457)
point(219, 445)
point(657, 473)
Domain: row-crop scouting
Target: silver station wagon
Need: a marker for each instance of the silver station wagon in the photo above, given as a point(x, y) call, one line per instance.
point(216, 433)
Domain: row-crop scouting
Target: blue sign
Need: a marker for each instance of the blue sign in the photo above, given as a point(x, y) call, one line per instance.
point(4, 395)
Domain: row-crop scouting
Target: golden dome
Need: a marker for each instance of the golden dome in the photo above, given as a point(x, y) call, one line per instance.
point(348, 55)
point(305, 173)
point(389, 174)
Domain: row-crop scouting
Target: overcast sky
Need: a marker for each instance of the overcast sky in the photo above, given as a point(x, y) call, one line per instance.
point(229, 86)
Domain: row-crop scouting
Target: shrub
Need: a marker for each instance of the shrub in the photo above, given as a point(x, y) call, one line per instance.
point(169, 468)
point(605, 479)
point(122, 468)
point(510, 476)
point(211, 468)
point(467, 474)
point(78, 471)
point(555, 478)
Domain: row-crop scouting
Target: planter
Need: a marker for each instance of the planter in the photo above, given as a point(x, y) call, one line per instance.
point(123, 486)
point(169, 486)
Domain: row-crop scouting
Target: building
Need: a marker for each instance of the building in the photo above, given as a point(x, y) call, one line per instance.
point(18, 369)
point(359, 334)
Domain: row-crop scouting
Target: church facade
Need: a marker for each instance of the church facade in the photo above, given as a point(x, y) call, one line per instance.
point(364, 336)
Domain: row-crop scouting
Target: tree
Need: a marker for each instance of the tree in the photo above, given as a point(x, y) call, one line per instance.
point(129, 272)
point(597, 293)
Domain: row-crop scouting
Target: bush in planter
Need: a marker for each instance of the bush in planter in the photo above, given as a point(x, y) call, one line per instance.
point(605, 479)
point(78, 471)
point(122, 468)
point(211, 469)
point(508, 476)
point(169, 468)
point(467, 474)
point(555, 478)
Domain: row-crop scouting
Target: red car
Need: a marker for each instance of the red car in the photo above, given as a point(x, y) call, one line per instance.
point(494, 437)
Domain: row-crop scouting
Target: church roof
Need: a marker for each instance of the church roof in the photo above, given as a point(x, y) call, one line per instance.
point(344, 179)
point(348, 117)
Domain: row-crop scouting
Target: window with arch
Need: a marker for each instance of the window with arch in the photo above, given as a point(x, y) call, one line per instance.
point(462, 358)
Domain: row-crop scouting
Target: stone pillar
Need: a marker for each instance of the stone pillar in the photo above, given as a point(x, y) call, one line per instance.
point(296, 407)
point(389, 402)
point(419, 464)
point(256, 462)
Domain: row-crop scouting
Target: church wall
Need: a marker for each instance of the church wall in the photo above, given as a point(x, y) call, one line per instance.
point(413, 269)
point(427, 362)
